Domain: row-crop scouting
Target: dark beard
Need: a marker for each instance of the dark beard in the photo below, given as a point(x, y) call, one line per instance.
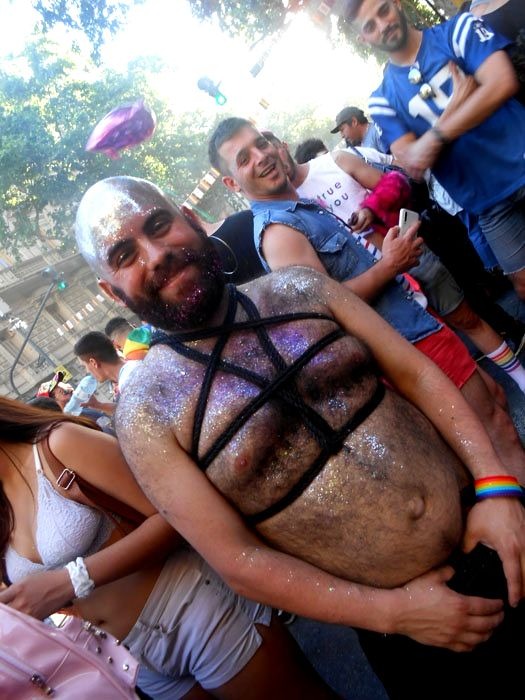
point(195, 310)
point(401, 42)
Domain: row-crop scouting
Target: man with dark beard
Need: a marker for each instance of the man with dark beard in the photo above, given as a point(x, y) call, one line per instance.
point(263, 405)
point(473, 141)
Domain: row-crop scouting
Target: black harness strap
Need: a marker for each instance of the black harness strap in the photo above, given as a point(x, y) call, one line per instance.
point(314, 469)
point(282, 387)
point(211, 369)
point(313, 421)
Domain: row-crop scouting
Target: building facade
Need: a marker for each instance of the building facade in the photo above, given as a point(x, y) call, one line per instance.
point(66, 315)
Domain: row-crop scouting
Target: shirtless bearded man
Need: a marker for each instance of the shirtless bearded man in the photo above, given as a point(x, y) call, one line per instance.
point(285, 423)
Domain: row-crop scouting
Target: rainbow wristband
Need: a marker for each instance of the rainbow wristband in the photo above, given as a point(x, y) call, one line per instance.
point(496, 487)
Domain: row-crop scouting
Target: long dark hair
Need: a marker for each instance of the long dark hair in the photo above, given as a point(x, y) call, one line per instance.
point(29, 424)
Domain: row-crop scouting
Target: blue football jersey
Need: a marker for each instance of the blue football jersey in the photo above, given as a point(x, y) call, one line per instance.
point(486, 164)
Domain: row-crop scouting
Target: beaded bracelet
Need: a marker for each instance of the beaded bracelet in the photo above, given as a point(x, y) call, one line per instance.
point(497, 486)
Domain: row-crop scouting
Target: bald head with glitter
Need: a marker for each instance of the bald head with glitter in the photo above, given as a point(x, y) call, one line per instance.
point(106, 207)
point(148, 254)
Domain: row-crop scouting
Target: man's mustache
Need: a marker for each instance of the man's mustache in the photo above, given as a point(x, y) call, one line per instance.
point(389, 30)
point(172, 264)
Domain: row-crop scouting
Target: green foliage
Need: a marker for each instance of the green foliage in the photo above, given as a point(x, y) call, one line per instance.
point(255, 19)
point(302, 125)
point(49, 104)
point(97, 19)
point(251, 19)
point(47, 112)
point(46, 117)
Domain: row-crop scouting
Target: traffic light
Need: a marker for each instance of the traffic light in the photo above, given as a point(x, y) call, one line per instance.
point(212, 89)
point(56, 278)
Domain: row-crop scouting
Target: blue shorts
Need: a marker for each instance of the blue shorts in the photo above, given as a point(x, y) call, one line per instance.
point(503, 225)
point(193, 629)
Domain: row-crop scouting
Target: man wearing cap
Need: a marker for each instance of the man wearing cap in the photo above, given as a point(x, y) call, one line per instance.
point(356, 130)
point(56, 389)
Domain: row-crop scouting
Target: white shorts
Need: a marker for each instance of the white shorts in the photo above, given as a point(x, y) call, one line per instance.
point(193, 628)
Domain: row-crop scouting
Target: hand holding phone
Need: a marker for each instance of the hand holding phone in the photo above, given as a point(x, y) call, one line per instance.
point(407, 217)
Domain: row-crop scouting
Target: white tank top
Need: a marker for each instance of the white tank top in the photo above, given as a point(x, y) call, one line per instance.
point(64, 530)
point(332, 188)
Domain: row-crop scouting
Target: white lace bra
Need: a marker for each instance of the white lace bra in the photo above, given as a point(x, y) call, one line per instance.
point(64, 530)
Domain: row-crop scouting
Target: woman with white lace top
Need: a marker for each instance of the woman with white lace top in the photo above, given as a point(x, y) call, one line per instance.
point(194, 637)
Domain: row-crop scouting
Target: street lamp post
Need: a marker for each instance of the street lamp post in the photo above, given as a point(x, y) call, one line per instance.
point(56, 280)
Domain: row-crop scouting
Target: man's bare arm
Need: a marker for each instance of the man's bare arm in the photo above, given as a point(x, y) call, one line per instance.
point(283, 246)
point(426, 609)
point(497, 82)
point(356, 167)
point(497, 522)
point(104, 406)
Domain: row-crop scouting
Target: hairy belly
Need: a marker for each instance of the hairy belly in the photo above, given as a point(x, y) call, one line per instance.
point(382, 511)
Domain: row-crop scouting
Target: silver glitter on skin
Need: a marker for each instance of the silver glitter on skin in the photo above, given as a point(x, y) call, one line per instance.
point(373, 443)
point(104, 209)
point(340, 497)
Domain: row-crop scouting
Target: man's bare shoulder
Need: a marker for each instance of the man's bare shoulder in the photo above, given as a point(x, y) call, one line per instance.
point(149, 391)
point(288, 289)
point(346, 161)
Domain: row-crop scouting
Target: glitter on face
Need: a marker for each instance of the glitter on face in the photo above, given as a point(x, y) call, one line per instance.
point(105, 218)
point(104, 209)
point(197, 305)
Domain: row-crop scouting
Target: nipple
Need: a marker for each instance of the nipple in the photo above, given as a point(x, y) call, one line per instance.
point(241, 464)
point(416, 507)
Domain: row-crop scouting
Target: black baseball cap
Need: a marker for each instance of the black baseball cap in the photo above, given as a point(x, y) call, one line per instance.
point(346, 115)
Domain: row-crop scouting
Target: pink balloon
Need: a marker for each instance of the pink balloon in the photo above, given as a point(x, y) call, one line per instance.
point(123, 127)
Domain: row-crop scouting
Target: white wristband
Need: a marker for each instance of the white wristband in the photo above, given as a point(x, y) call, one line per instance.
point(78, 573)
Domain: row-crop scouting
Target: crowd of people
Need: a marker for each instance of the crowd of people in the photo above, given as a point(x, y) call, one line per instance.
point(296, 424)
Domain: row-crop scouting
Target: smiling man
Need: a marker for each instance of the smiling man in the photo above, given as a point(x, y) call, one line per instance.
point(262, 407)
point(292, 231)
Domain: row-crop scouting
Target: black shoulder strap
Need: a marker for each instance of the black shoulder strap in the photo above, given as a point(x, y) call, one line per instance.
point(357, 153)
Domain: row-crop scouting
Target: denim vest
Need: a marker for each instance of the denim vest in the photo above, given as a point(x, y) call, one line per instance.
point(344, 258)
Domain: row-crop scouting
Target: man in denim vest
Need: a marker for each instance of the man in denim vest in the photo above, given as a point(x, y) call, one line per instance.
point(289, 231)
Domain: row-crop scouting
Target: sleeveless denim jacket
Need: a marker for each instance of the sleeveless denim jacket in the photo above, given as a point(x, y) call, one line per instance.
point(344, 258)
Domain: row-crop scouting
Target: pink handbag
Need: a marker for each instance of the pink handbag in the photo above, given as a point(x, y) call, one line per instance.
point(75, 660)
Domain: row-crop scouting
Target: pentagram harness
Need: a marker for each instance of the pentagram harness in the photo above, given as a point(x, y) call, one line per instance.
point(281, 387)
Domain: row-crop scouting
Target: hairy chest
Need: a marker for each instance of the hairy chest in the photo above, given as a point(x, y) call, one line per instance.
point(255, 414)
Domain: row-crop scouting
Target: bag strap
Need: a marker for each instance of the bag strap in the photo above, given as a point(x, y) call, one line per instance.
point(84, 492)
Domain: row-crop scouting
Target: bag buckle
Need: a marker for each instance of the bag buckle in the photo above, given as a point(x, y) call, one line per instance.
point(69, 476)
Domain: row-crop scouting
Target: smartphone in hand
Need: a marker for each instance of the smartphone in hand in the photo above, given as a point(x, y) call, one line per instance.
point(407, 217)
